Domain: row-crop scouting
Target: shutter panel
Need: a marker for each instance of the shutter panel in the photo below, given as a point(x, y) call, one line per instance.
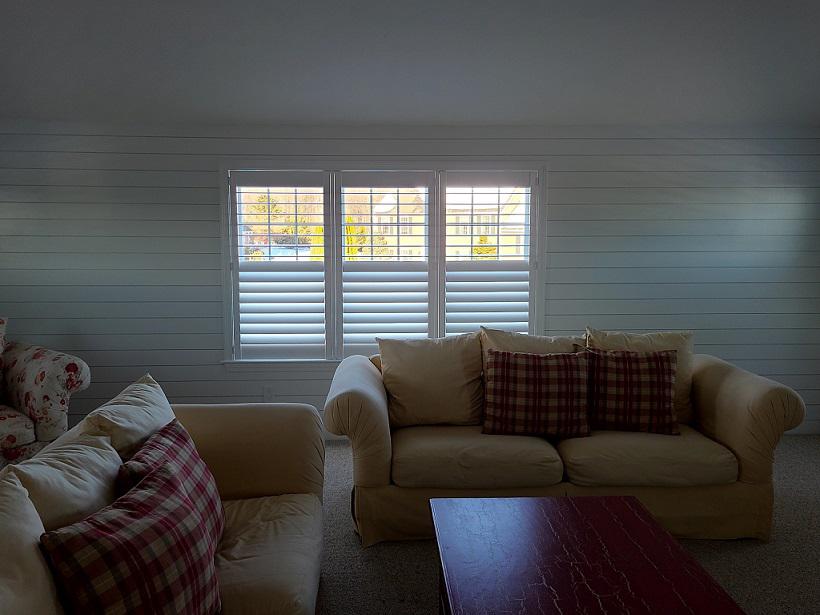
point(487, 246)
point(279, 247)
point(476, 295)
point(383, 300)
point(281, 310)
point(385, 287)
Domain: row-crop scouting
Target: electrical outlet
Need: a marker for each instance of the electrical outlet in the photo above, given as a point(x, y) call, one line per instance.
point(268, 393)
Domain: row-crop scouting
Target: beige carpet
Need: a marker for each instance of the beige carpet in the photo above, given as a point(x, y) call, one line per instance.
point(401, 578)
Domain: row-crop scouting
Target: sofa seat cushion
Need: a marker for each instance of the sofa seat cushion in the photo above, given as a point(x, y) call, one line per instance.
point(621, 458)
point(16, 429)
point(269, 558)
point(457, 457)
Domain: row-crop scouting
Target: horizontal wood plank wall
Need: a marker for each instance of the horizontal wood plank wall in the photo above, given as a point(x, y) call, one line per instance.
point(110, 246)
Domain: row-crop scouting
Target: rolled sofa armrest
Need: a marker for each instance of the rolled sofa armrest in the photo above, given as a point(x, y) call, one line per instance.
point(745, 412)
point(356, 407)
point(39, 383)
point(256, 450)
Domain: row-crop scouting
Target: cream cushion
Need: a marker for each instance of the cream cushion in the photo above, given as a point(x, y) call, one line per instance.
point(71, 435)
point(66, 483)
point(680, 341)
point(465, 458)
point(508, 341)
point(433, 381)
point(26, 585)
point(270, 555)
point(630, 459)
point(132, 416)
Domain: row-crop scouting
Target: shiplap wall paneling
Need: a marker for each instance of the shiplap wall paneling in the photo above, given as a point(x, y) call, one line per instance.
point(110, 246)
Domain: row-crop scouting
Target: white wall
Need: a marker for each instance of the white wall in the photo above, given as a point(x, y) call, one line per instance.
point(110, 243)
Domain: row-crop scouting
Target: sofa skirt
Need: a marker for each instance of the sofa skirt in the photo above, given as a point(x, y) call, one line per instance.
point(736, 510)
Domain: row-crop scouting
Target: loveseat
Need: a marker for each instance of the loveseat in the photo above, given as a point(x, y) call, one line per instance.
point(714, 480)
point(268, 464)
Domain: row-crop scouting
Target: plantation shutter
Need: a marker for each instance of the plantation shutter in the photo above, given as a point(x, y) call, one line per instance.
point(384, 257)
point(279, 254)
point(487, 266)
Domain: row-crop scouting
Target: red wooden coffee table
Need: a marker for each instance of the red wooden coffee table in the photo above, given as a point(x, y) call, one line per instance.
point(566, 556)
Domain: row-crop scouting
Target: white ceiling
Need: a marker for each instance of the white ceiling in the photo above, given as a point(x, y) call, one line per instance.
point(602, 62)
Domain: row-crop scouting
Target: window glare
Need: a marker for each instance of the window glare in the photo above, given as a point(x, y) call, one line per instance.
point(384, 223)
point(280, 223)
point(487, 223)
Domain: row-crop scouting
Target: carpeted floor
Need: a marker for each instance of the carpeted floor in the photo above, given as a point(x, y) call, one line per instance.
point(401, 578)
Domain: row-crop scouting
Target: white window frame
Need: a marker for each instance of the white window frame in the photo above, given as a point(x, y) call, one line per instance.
point(333, 247)
point(491, 178)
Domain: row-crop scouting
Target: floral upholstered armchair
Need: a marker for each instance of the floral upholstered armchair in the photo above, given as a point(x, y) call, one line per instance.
point(34, 391)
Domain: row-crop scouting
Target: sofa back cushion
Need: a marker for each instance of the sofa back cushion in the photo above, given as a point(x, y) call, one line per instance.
point(632, 391)
point(132, 416)
point(70, 481)
point(536, 394)
point(172, 446)
point(679, 341)
point(26, 585)
point(148, 552)
point(433, 381)
point(508, 341)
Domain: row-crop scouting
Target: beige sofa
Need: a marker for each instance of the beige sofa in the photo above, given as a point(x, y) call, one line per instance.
point(712, 481)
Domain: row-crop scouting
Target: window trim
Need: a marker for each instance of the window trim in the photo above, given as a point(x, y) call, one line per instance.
point(333, 248)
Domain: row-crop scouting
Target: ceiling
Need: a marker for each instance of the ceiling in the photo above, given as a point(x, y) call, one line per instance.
point(595, 62)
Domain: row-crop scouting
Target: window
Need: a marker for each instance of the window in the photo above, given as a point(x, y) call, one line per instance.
point(487, 269)
point(385, 291)
point(325, 262)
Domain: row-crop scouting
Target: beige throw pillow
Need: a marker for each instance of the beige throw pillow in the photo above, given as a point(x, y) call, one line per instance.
point(680, 341)
point(433, 381)
point(26, 585)
point(132, 416)
point(69, 482)
point(508, 341)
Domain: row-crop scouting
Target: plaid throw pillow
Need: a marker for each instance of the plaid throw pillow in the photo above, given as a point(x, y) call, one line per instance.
point(632, 391)
point(147, 553)
point(172, 446)
point(536, 394)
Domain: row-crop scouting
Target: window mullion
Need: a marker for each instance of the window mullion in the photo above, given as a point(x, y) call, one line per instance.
point(437, 255)
point(332, 269)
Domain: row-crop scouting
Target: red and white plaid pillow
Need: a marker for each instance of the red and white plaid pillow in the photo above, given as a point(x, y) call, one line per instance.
point(147, 553)
point(632, 391)
point(172, 446)
point(536, 394)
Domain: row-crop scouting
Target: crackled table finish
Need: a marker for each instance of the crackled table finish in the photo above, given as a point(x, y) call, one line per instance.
point(565, 556)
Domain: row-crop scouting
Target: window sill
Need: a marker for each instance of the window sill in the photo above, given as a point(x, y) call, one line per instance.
point(263, 365)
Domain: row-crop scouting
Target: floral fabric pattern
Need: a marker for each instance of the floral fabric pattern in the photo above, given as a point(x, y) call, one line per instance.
point(16, 428)
point(38, 383)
